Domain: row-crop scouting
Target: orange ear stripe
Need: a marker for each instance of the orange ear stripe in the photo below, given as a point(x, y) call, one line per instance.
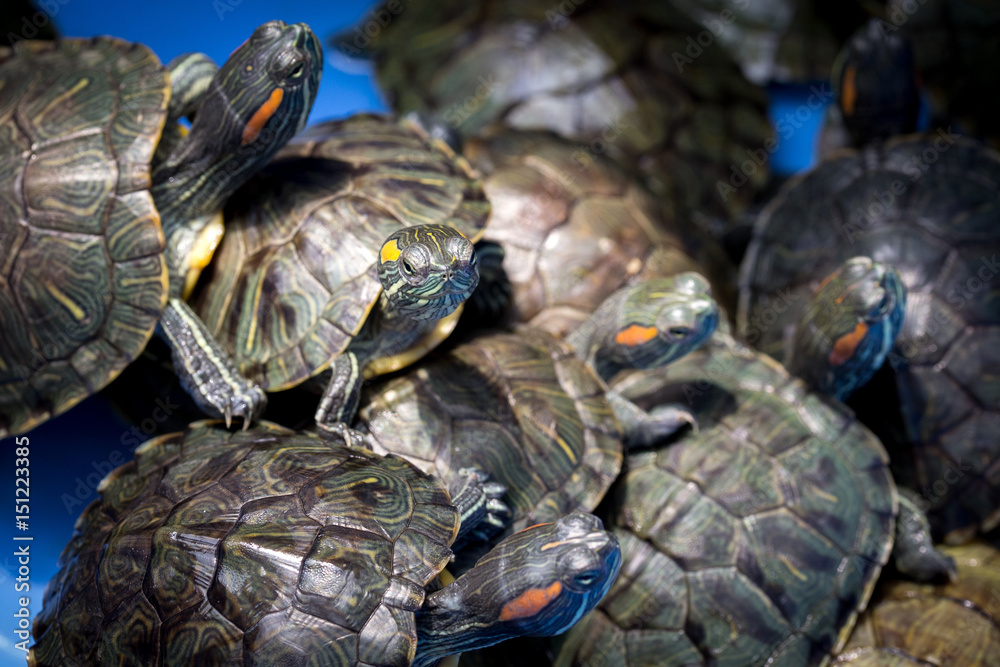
point(636, 335)
point(845, 346)
point(261, 116)
point(530, 602)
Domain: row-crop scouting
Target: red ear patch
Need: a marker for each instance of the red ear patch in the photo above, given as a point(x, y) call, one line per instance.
point(530, 602)
point(849, 90)
point(261, 116)
point(845, 346)
point(636, 335)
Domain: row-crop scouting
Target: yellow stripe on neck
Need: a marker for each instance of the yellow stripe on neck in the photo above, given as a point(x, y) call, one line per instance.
point(203, 251)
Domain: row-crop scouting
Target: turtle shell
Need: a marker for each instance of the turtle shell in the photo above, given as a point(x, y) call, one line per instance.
point(573, 233)
point(929, 207)
point(521, 407)
point(83, 279)
point(295, 275)
point(754, 540)
point(616, 78)
point(946, 624)
point(258, 547)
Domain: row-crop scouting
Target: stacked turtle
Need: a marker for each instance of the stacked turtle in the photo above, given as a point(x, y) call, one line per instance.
point(105, 223)
point(272, 547)
point(626, 79)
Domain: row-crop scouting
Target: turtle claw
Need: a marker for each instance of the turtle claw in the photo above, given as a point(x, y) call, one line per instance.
point(478, 501)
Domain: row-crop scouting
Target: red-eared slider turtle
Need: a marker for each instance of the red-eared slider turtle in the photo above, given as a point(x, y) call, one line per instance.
point(272, 547)
point(957, 623)
point(927, 206)
point(346, 253)
point(616, 78)
point(103, 224)
point(573, 233)
point(755, 540)
point(533, 412)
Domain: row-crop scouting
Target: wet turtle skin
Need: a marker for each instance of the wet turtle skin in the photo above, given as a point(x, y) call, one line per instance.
point(946, 624)
point(615, 78)
point(294, 278)
point(257, 547)
point(754, 540)
point(928, 207)
point(572, 233)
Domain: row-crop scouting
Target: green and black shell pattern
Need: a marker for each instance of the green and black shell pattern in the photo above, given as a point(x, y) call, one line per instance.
point(755, 540)
point(521, 407)
point(83, 278)
point(295, 276)
point(605, 75)
point(954, 623)
point(256, 547)
point(929, 207)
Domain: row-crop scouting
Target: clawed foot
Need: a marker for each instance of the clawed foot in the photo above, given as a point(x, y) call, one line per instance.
point(478, 500)
point(341, 433)
point(661, 423)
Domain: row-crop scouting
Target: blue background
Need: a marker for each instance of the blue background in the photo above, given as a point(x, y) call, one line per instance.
point(71, 453)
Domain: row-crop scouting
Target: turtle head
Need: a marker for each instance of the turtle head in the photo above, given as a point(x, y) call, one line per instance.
point(427, 271)
point(258, 100)
point(877, 83)
point(848, 327)
point(535, 583)
point(648, 325)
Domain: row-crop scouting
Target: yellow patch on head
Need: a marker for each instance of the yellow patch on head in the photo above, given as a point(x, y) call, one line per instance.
point(636, 335)
point(845, 346)
point(390, 251)
point(261, 116)
point(530, 602)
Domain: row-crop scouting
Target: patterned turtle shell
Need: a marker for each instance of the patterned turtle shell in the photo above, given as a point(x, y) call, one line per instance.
point(263, 547)
point(83, 279)
point(753, 540)
point(295, 276)
point(956, 623)
point(521, 407)
point(927, 206)
point(572, 233)
point(612, 77)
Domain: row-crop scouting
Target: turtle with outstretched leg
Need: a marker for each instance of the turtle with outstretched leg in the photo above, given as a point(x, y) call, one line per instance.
point(534, 412)
point(105, 226)
point(350, 256)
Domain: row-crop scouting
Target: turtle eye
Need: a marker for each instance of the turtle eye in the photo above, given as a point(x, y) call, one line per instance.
point(586, 579)
point(289, 64)
point(408, 268)
point(679, 333)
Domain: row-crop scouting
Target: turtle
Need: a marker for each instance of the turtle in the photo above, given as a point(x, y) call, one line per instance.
point(105, 224)
point(352, 251)
point(955, 623)
point(532, 411)
point(270, 546)
point(571, 233)
point(754, 540)
point(926, 205)
point(623, 79)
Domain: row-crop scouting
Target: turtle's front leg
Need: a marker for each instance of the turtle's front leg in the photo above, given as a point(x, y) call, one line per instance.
point(646, 429)
point(343, 393)
point(205, 369)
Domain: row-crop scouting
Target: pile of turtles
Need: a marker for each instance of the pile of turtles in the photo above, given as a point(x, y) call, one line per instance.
point(555, 411)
